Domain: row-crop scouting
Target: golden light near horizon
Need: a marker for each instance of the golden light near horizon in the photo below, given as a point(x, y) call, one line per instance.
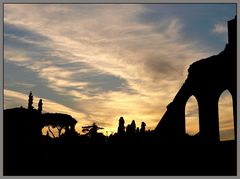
point(225, 109)
point(226, 122)
point(192, 116)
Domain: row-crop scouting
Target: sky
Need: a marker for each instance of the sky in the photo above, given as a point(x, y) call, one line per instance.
point(98, 62)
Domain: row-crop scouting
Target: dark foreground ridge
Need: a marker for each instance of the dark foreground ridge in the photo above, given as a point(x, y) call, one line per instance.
point(167, 150)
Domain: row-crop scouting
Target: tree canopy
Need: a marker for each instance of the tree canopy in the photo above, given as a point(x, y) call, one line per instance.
point(59, 121)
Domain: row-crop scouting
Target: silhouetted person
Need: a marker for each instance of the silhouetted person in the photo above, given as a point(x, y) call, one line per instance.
point(133, 127)
point(128, 129)
point(143, 128)
point(121, 128)
point(40, 104)
point(137, 130)
point(30, 101)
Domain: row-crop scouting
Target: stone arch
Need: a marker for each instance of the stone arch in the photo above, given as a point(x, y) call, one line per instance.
point(192, 126)
point(226, 115)
point(206, 78)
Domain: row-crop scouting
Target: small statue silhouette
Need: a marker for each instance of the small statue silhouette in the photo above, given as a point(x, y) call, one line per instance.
point(40, 104)
point(30, 101)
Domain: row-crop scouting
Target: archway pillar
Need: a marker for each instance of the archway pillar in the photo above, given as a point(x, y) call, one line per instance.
point(234, 97)
point(208, 119)
point(179, 121)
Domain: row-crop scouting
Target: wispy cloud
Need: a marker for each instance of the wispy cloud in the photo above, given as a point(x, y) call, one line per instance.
point(82, 49)
point(15, 56)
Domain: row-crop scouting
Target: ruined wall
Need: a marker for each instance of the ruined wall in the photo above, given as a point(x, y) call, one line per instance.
point(207, 79)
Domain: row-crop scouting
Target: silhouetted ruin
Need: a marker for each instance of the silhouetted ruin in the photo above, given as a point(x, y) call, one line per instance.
point(207, 80)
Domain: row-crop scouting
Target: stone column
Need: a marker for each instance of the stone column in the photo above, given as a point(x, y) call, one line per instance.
point(234, 99)
point(208, 119)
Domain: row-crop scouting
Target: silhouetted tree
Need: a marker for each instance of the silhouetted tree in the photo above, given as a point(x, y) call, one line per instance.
point(49, 129)
point(59, 121)
point(91, 130)
point(47, 134)
point(30, 101)
point(92, 134)
point(121, 128)
point(40, 104)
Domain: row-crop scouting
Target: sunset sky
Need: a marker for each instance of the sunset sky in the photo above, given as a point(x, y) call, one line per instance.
point(98, 62)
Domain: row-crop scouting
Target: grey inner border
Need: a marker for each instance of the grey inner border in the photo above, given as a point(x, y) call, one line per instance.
point(113, 1)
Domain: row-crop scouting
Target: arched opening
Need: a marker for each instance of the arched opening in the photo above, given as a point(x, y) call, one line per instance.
point(226, 124)
point(192, 116)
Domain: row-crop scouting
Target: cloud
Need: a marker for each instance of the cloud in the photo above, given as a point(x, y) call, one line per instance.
point(15, 55)
point(220, 28)
point(103, 57)
point(25, 34)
